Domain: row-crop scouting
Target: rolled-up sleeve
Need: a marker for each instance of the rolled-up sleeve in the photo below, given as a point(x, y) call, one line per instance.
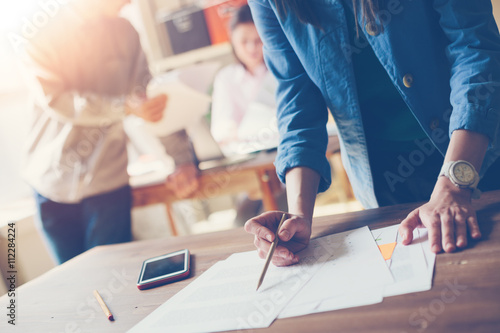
point(474, 54)
point(302, 112)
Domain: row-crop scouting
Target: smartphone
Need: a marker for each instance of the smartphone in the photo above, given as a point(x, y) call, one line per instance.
point(164, 269)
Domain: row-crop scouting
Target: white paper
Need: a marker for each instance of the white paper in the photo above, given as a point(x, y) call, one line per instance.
point(335, 272)
point(224, 297)
point(351, 300)
point(148, 173)
point(258, 130)
point(412, 266)
point(386, 235)
point(354, 268)
point(188, 96)
point(430, 257)
point(184, 105)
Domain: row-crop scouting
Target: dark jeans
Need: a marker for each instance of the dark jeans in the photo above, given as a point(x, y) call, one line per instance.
point(70, 229)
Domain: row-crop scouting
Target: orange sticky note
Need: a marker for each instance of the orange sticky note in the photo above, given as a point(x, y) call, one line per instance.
point(387, 250)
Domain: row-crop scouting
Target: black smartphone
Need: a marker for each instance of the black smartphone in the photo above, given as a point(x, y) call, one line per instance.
point(164, 269)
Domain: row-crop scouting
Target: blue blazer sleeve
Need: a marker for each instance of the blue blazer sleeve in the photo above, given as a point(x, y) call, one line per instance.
point(474, 54)
point(302, 112)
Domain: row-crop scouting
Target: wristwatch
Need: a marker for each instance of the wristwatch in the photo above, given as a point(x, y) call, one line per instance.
point(463, 175)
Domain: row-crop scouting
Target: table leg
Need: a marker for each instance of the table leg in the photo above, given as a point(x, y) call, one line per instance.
point(171, 220)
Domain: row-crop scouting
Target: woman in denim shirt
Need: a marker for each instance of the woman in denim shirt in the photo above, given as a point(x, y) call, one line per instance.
point(412, 86)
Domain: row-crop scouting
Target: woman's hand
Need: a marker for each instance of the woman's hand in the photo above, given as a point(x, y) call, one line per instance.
point(293, 236)
point(150, 109)
point(447, 216)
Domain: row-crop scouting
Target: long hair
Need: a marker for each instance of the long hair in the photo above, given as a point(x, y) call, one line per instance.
point(241, 16)
point(306, 15)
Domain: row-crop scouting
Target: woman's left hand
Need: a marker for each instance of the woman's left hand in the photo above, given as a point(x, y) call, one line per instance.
point(447, 216)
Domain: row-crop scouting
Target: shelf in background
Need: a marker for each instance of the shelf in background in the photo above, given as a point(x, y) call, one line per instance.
point(191, 57)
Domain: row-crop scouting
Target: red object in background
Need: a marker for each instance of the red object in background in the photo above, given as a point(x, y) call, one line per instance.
point(218, 17)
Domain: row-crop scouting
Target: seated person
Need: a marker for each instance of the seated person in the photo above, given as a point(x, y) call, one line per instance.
point(237, 88)
point(243, 103)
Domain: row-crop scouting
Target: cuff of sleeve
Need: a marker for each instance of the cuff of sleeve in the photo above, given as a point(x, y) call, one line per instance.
point(301, 157)
point(478, 119)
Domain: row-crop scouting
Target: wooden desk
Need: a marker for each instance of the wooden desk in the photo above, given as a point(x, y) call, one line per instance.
point(465, 296)
point(257, 175)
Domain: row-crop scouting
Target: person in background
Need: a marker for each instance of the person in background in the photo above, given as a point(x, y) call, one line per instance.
point(415, 101)
point(87, 71)
point(238, 86)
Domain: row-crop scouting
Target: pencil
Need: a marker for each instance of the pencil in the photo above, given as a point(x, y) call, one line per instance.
point(270, 253)
point(103, 305)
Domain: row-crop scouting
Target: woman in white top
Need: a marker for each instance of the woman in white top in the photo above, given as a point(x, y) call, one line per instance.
point(240, 87)
point(243, 108)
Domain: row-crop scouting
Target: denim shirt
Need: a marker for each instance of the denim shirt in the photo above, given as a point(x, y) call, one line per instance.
point(443, 57)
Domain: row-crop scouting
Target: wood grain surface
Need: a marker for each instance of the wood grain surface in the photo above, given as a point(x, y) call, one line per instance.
point(465, 296)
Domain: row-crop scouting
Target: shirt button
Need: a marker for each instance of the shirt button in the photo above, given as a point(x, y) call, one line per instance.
point(408, 80)
point(372, 29)
point(434, 123)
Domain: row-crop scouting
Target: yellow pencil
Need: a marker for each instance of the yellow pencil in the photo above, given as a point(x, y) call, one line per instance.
point(103, 305)
point(270, 253)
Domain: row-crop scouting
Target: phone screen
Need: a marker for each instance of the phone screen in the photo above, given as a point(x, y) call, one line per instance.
point(164, 267)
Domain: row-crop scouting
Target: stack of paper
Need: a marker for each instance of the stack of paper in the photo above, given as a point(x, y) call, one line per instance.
point(188, 99)
point(225, 296)
point(411, 266)
point(354, 275)
point(335, 272)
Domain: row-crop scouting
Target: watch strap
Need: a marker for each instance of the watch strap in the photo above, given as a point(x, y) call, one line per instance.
point(445, 171)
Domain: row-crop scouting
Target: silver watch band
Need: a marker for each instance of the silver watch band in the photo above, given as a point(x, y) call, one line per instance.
point(445, 171)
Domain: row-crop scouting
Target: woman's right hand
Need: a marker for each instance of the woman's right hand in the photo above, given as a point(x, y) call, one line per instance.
point(150, 109)
point(293, 236)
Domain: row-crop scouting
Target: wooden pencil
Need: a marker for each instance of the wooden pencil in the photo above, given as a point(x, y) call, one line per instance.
point(270, 253)
point(103, 305)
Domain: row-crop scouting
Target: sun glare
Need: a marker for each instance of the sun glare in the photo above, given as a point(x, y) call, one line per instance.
point(25, 14)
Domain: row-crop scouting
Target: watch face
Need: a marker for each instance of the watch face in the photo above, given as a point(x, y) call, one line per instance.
point(463, 173)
